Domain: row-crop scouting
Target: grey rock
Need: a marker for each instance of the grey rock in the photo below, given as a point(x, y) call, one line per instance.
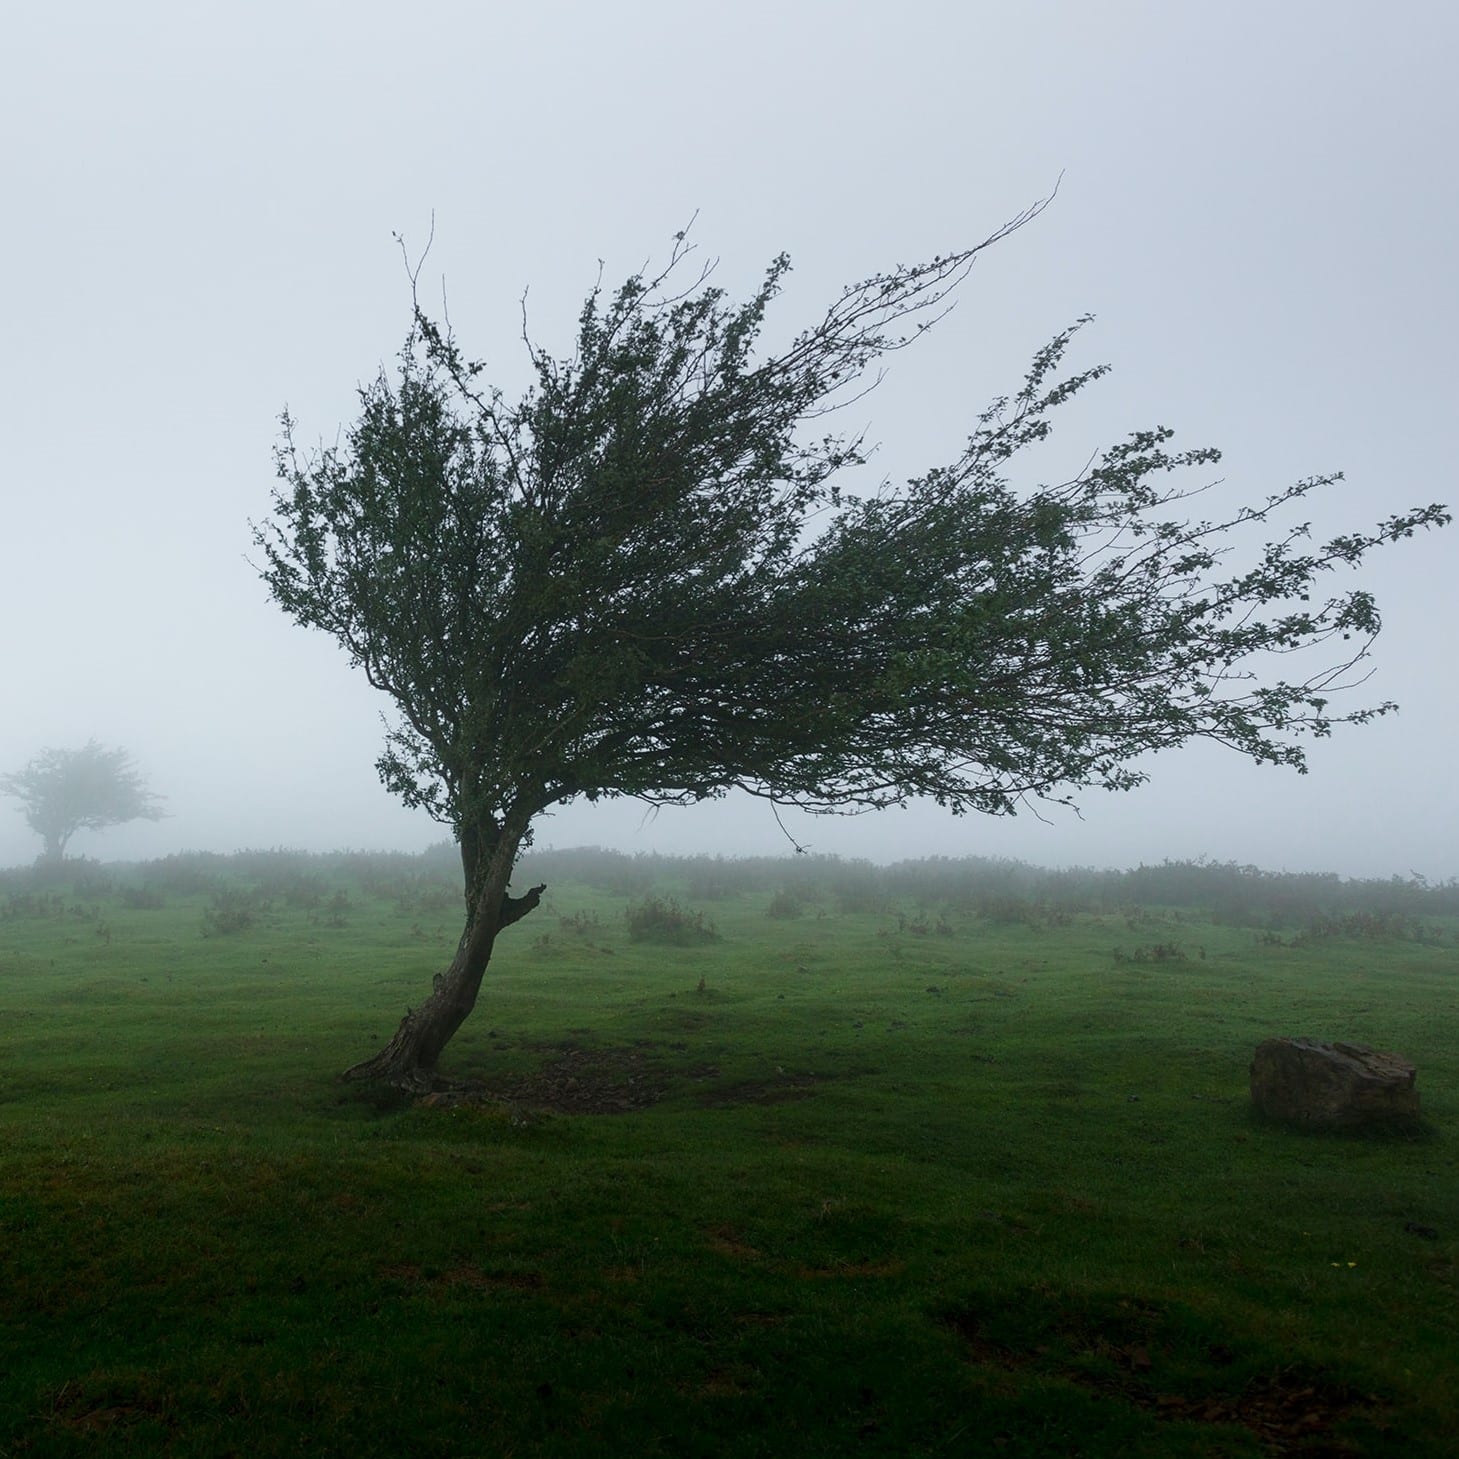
point(1333, 1086)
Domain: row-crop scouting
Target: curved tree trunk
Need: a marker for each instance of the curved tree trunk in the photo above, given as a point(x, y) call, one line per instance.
point(409, 1060)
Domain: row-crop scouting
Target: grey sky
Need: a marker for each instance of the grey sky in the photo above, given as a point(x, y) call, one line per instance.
point(1258, 203)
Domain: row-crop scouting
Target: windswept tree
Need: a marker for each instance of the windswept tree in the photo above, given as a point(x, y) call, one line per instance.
point(646, 577)
point(65, 791)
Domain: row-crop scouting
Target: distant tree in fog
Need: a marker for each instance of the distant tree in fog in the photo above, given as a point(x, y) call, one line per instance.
point(649, 578)
point(65, 791)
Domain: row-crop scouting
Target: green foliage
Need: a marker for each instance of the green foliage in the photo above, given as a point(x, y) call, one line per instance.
point(611, 588)
point(65, 791)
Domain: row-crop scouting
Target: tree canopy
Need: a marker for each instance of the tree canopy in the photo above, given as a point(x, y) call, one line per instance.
point(65, 791)
point(648, 577)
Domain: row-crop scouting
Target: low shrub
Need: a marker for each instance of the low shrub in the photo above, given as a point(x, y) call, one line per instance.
point(1160, 952)
point(143, 899)
point(584, 924)
point(32, 904)
point(661, 919)
point(785, 905)
point(233, 909)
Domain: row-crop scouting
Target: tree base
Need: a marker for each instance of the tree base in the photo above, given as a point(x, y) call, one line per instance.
point(399, 1064)
point(408, 1061)
point(407, 1081)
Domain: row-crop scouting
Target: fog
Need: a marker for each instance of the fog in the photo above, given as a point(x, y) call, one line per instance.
point(1256, 203)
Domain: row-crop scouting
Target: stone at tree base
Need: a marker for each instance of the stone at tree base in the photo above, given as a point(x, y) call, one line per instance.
point(1333, 1086)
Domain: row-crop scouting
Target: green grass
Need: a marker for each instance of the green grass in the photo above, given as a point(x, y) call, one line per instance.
point(876, 1190)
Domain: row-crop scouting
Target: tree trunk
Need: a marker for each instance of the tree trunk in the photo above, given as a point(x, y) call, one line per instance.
point(409, 1060)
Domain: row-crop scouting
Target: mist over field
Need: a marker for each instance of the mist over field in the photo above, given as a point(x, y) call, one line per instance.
point(577, 1127)
point(201, 210)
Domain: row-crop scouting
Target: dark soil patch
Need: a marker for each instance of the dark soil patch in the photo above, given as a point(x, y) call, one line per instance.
point(727, 1241)
point(95, 1414)
point(1290, 1410)
point(778, 1090)
point(466, 1275)
point(613, 1080)
point(1282, 1409)
point(590, 1081)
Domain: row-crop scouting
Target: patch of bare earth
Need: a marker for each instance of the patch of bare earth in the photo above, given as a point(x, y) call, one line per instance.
point(94, 1415)
point(1290, 1410)
point(729, 1242)
point(574, 1080)
point(411, 1275)
point(776, 1090)
point(592, 1081)
point(865, 1268)
point(613, 1079)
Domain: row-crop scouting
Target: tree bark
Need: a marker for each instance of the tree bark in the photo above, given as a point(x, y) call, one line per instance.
point(409, 1060)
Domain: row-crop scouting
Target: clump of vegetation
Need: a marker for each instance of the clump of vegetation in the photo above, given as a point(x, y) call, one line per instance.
point(1160, 952)
point(661, 919)
point(294, 888)
point(233, 909)
point(187, 873)
point(583, 924)
point(1363, 925)
point(1375, 926)
point(921, 926)
point(785, 905)
point(332, 914)
point(421, 897)
point(143, 898)
point(32, 904)
point(712, 879)
point(1005, 910)
point(89, 880)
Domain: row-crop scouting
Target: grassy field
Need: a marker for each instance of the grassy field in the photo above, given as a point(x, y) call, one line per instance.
point(874, 1169)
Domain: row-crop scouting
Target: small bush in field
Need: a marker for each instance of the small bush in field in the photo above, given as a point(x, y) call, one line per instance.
point(187, 872)
point(1161, 952)
point(293, 887)
point(1007, 910)
point(785, 904)
point(584, 924)
point(233, 910)
point(659, 919)
point(333, 913)
point(91, 881)
point(143, 899)
point(1376, 926)
point(417, 896)
point(33, 904)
